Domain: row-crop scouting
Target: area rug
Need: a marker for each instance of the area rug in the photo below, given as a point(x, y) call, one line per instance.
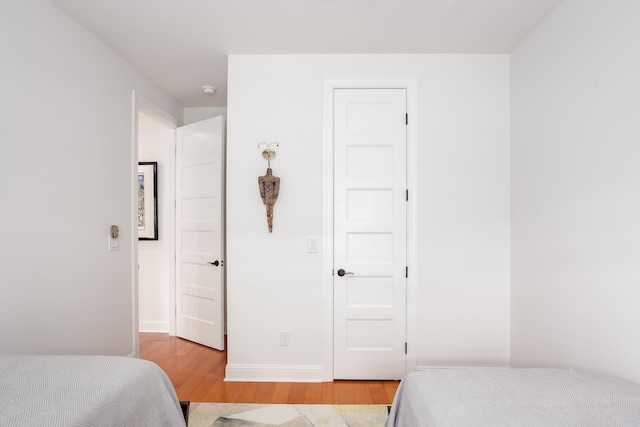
point(257, 415)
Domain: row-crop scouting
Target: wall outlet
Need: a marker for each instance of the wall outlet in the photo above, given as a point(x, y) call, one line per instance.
point(284, 338)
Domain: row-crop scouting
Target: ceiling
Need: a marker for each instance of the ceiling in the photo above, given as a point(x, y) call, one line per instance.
point(183, 45)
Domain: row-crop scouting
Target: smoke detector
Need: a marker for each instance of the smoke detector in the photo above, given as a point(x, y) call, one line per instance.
point(209, 90)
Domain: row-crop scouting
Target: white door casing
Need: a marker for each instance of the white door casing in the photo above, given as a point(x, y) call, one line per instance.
point(370, 233)
point(199, 233)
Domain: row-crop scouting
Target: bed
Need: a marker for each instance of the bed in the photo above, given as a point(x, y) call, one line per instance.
point(85, 391)
point(480, 397)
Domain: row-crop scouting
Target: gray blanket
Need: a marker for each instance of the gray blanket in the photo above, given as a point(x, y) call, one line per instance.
point(464, 397)
point(85, 391)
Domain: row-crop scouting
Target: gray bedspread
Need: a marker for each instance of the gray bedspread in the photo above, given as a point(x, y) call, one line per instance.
point(464, 397)
point(85, 391)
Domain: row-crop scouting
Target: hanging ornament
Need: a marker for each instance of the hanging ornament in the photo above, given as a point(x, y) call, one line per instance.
point(268, 184)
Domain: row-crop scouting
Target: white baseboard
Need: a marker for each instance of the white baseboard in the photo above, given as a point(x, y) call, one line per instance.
point(153, 326)
point(275, 373)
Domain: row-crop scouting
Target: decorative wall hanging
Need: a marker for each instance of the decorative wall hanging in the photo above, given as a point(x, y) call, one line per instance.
point(147, 200)
point(269, 185)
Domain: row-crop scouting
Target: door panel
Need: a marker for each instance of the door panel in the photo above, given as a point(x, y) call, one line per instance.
point(369, 233)
point(199, 233)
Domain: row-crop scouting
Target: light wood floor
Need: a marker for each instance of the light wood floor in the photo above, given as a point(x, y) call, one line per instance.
point(197, 373)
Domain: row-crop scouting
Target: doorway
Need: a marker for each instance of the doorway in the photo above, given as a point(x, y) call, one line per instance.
point(164, 304)
point(156, 143)
point(156, 258)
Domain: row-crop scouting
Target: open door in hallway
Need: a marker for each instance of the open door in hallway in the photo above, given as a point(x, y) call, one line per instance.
point(200, 233)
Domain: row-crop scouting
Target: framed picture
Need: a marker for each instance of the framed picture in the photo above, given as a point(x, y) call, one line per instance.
point(148, 201)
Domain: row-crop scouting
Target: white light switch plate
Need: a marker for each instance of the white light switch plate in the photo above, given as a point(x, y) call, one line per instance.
point(312, 245)
point(114, 244)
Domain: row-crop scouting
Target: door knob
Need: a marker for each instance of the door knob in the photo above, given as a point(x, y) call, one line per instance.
point(216, 263)
point(341, 272)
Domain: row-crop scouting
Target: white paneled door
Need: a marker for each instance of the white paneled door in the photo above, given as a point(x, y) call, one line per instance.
point(370, 137)
point(199, 233)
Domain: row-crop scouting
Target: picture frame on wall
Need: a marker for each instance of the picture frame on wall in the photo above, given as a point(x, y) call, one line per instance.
point(147, 201)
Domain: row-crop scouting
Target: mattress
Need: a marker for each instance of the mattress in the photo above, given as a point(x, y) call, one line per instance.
point(85, 391)
point(514, 397)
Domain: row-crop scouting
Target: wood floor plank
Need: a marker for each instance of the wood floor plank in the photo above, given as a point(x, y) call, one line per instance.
point(377, 391)
point(248, 394)
point(344, 392)
point(197, 373)
point(280, 393)
point(264, 391)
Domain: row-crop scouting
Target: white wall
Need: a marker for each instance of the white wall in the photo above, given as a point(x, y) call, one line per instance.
point(576, 180)
point(196, 114)
point(156, 143)
point(66, 163)
point(463, 270)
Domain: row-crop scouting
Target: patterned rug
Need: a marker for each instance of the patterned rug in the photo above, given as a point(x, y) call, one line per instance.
point(257, 415)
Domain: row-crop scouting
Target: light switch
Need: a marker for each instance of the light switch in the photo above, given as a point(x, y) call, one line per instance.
point(114, 238)
point(312, 245)
point(114, 244)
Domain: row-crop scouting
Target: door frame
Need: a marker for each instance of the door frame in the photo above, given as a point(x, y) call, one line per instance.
point(144, 105)
point(412, 215)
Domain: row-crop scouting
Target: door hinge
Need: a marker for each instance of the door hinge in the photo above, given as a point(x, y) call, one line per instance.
point(407, 195)
point(406, 118)
point(405, 348)
point(406, 272)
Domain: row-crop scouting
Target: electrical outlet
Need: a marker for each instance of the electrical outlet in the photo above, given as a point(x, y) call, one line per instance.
point(284, 338)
